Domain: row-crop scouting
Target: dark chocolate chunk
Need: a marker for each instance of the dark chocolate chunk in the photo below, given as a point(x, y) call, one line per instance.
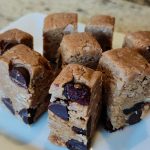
point(59, 110)
point(75, 145)
point(77, 92)
point(134, 117)
point(6, 45)
point(8, 104)
point(79, 130)
point(27, 115)
point(20, 76)
point(134, 108)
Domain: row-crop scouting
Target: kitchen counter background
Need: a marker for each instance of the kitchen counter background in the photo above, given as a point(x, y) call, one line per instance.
point(130, 16)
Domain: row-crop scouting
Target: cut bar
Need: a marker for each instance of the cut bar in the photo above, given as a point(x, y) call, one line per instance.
point(25, 78)
point(80, 48)
point(139, 41)
point(126, 87)
point(75, 106)
point(13, 37)
point(102, 28)
point(55, 27)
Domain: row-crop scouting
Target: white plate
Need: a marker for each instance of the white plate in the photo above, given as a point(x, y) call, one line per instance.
point(136, 137)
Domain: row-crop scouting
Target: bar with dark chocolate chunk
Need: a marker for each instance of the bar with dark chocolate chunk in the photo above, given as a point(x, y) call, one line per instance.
point(102, 28)
point(80, 48)
point(56, 25)
point(25, 78)
point(126, 87)
point(75, 106)
point(139, 41)
point(13, 37)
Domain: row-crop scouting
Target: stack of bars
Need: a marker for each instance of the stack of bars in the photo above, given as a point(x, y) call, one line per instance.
point(25, 76)
point(76, 91)
point(80, 78)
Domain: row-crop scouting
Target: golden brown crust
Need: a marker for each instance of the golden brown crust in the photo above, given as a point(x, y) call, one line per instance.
point(102, 20)
point(79, 73)
point(59, 20)
point(24, 54)
point(125, 63)
point(137, 40)
point(81, 48)
point(77, 43)
point(16, 35)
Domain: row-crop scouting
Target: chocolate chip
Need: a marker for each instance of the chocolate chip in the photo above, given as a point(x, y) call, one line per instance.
point(59, 110)
point(20, 76)
point(8, 104)
point(6, 45)
point(134, 108)
point(134, 117)
point(79, 130)
point(27, 115)
point(75, 145)
point(77, 92)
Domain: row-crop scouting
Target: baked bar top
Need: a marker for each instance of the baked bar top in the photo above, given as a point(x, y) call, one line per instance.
point(25, 55)
point(125, 63)
point(79, 74)
point(15, 34)
point(139, 39)
point(81, 44)
point(60, 20)
point(102, 20)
